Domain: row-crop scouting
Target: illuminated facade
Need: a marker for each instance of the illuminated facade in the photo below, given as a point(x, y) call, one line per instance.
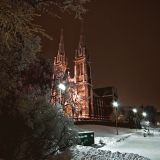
point(82, 75)
point(60, 66)
point(80, 104)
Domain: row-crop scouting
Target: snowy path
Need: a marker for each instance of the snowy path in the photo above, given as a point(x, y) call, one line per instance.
point(135, 143)
point(105, 131)
point(144, 146)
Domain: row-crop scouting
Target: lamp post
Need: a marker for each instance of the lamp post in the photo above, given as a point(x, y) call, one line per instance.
point(61, 87)
point(135, 111)
point(144, 115)
point(115, 105)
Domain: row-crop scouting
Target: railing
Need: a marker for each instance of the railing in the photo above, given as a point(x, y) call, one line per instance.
point(100, 122)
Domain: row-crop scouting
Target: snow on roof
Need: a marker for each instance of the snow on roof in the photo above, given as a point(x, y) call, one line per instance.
point(86, 132)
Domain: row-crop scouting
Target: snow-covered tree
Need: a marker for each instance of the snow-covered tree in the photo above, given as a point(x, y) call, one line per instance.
point(36, 78)
point(151, 112)
point(30, 128)
point(70, 99)
point(16, 17)
point(121, 115)
point(73, 101)
point(37, 130)
point(12, 62)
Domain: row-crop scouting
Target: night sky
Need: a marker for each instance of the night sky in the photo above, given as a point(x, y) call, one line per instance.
point(122, 38)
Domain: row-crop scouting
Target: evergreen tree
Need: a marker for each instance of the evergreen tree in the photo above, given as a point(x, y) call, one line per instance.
point(152, 115)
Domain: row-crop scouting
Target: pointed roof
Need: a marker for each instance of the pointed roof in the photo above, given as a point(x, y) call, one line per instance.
point(82, 48)
point(61, 53)
point(61, 44)
point(82, 43)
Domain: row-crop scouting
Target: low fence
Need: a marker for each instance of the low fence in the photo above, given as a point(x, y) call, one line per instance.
point(101, 122)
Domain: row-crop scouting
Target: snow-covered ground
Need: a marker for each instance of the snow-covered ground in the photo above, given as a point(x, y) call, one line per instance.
point(128, 145)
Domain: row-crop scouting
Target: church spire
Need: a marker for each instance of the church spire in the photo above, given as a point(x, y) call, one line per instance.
point(82, 43)
point(82, 75)
point(82, 49)
point(61, 44)
point(61, 53)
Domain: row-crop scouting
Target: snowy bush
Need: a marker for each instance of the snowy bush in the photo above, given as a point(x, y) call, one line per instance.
point(88, 153)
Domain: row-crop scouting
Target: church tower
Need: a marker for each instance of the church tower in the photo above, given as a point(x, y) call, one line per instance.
point(60, 62)
point(60, 66)
point(82, 76)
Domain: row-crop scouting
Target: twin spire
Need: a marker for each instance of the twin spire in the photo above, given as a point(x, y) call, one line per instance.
point(82, 49)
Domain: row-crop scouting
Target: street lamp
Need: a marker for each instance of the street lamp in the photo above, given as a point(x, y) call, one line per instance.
point(144, 114)
point(61, 87)
point(135, 111)
point(115, 105)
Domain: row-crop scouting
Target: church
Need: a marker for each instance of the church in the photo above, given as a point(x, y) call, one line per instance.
point(93, 103)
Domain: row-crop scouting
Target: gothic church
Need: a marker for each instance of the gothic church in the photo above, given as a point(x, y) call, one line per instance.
point(83, 80)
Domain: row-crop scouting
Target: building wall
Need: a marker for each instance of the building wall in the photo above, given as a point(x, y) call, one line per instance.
point(102, 102)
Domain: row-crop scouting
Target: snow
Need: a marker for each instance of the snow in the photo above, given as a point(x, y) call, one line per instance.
point(128, 145)
point(88, 153)
point(86, 132)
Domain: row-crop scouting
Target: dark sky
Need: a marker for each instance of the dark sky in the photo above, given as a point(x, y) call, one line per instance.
point(122, 38)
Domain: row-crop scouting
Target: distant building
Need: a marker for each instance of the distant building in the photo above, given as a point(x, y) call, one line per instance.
point(95, 103)
point(102, 101)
